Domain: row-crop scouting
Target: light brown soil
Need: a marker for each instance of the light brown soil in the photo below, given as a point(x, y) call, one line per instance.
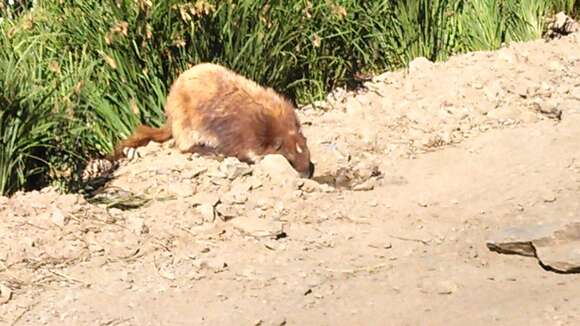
point(416, 173)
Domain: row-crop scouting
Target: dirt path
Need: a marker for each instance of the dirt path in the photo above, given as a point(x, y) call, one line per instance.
point(434, 161)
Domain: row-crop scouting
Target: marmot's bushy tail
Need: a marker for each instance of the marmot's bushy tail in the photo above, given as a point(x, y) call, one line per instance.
point(142, 136)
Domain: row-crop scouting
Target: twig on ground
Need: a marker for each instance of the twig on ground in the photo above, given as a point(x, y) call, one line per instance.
point(426, 243)
point(68, 278)
point(358, 269)
point(116, 321)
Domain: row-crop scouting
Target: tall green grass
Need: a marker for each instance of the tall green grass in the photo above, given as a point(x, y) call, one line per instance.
point(28, 124)
point(75, 76)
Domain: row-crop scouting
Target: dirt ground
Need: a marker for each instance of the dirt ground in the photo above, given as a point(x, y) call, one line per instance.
point(413, 175)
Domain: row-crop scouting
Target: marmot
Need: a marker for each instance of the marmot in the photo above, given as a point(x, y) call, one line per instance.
point(213, 110)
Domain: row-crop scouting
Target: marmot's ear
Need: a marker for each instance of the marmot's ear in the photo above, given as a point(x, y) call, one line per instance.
point(277, 144)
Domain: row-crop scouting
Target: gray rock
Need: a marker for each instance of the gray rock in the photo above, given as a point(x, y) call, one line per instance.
point(446, 287)
point(57, 217)
point(278, 169)
point(505, 113)
point(366, 170)
point(366, 185)
point(327, 188)
point(205, 204)
point(5, 294)
point(309, 186)
point(207, 212)
point(255, 183)
point(226, 212)
point(528, 117)
point(264, 204)
point(560, 257)
point(259, 228)
point(194, 172)
point(561, 25)
point(235, 197)
point(232, 168)
point(202, 198)
point(550, 109)
point(555, 245)
point(549, 196)
point(183, 189)
point(420, 64)
point(137, 225)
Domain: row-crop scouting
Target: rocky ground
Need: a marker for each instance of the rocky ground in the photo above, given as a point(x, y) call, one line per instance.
point(417, 176)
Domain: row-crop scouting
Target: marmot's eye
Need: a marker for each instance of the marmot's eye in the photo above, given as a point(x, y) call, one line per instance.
point(277, 144)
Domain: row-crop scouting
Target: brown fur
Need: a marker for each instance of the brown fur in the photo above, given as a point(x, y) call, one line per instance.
point(212, 110)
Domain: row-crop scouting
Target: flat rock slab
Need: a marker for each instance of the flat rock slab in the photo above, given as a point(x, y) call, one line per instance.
point(555, 245)
point(259, 228)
